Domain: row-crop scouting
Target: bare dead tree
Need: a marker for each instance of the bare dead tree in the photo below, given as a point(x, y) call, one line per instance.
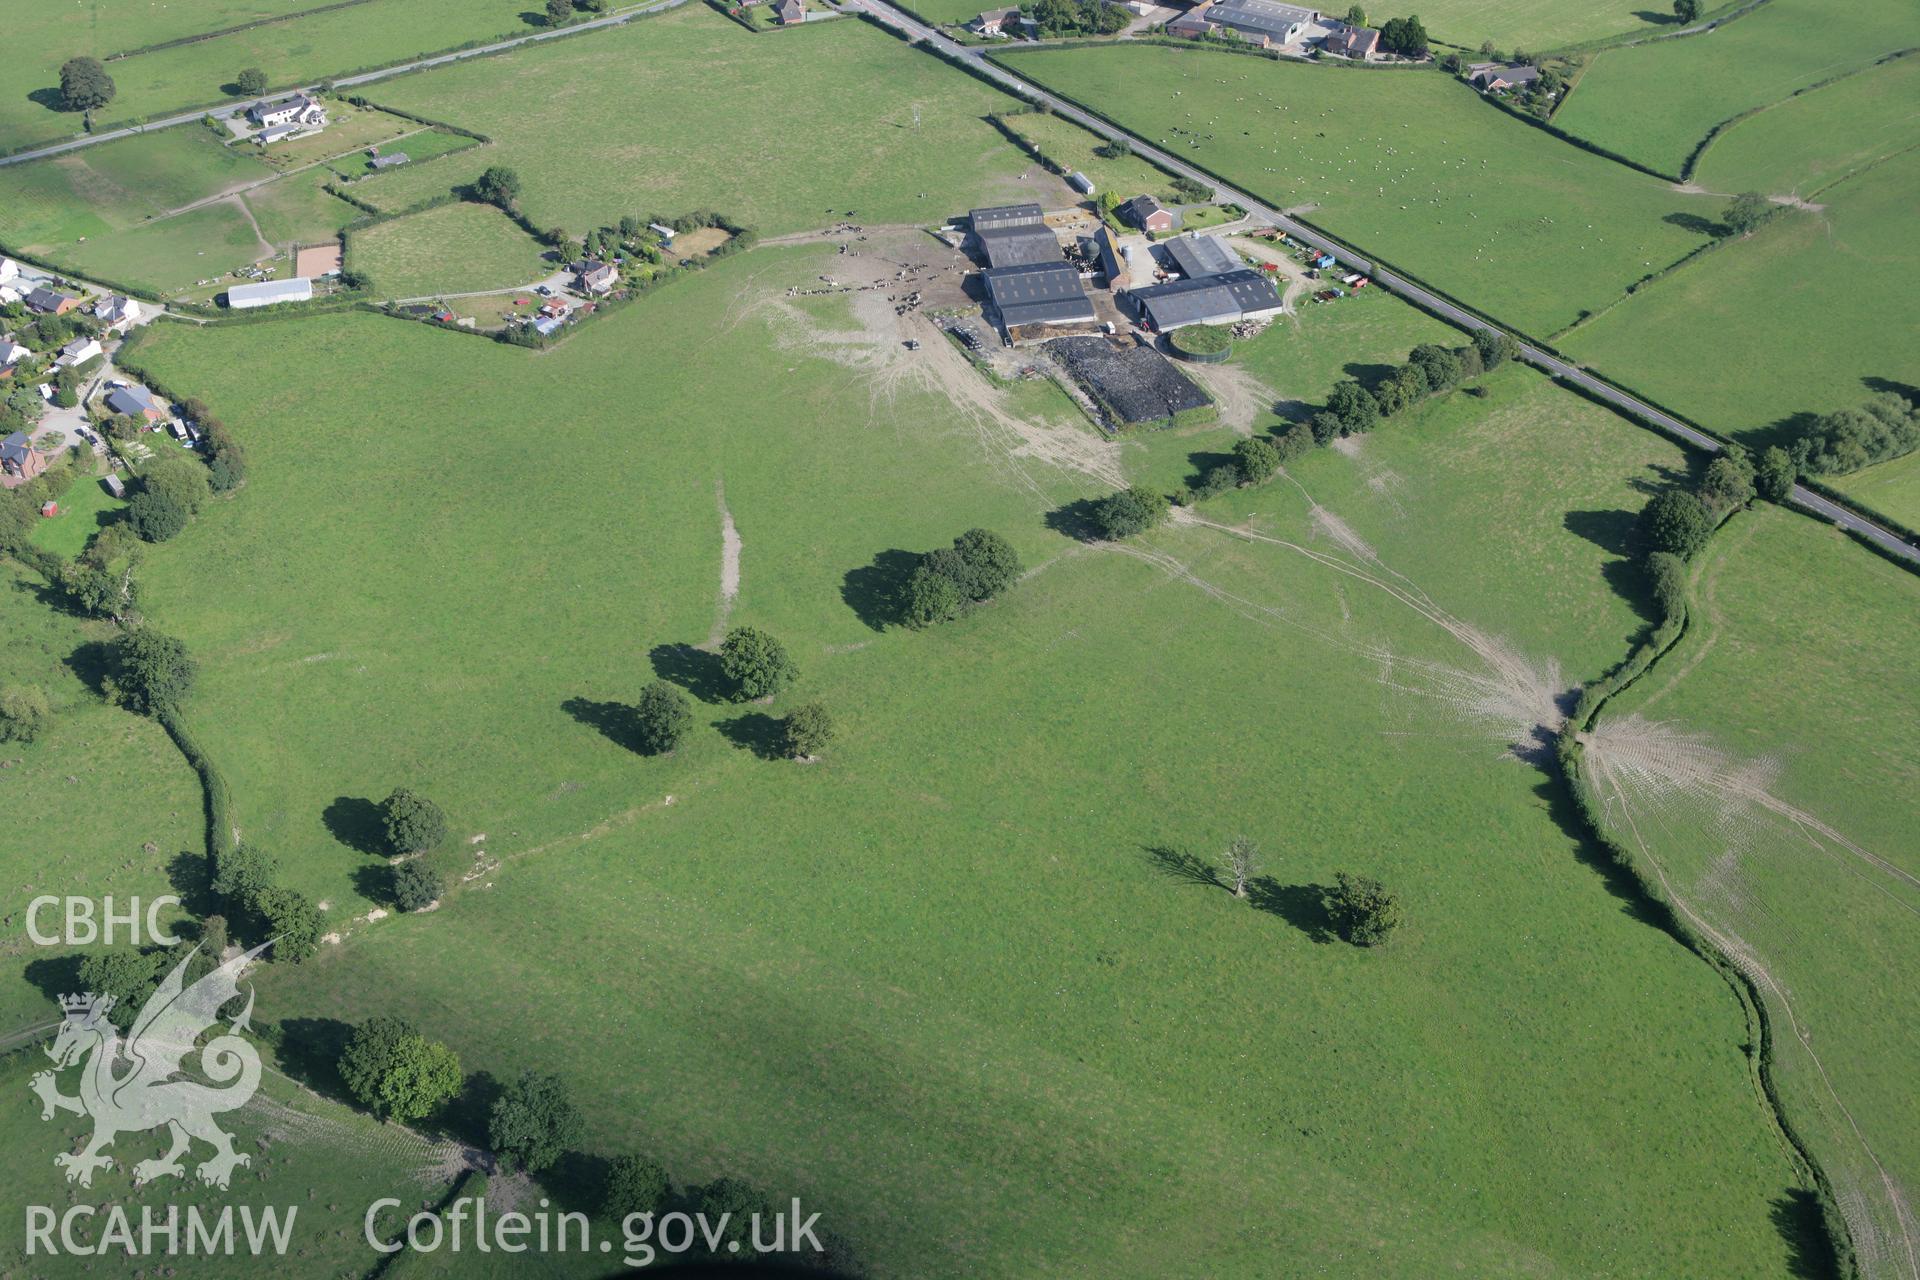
point(1242, 861)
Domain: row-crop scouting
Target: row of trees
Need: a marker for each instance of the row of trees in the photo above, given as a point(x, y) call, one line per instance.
point(1077, 17)
point(756, 667)
point(951, 581)
point(1351, 409)
point(1885, 427)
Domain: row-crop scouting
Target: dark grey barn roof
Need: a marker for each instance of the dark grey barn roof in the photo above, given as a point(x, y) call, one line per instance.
point(1006, 215)
point(1198, 256)
point(1038, 293)
point(1015, 246)
point(1219, 299)
point(1262, 17)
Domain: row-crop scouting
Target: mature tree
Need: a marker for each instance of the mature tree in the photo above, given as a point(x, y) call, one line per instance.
point(1363, 909)
point(1676, 521)
point(292, 920)
point(735, 1204)
point(1668, 574)
point(635, 1184)
point(1325, 427)
point(756, 664)
point(1404, 36)
point(411, 822)
point(397, 1073)
point(1293, 443)
point(1402, 389)
point(128, 976)
point(156, 517)
point(1356, 16)
point(533, 1122)
point(180, 477)
point(1217, 480)
point(930, 596)
point(240, 874)
point(85, 84)
point(1495, 348)
point(1353, 405)
point(1130, 511)
point(988, 564)
point(1440, 365)
point(661, 717)
point(251, 82)
point(25, 712)
point(809, 729)
point(416, 886)
point(1191, 190)
point(558, 11)
point(1775, 475)
point(1242, 862)
point(498, 185)
point(1688, 11)
point(1114, 149)
point(1258, 459)
point(150, 672)
point(1746, 212)
point(1728, 482)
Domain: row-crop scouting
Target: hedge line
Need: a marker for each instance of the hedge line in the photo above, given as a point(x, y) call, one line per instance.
point(213, 784)
point(1713, 134)
point(233, 30)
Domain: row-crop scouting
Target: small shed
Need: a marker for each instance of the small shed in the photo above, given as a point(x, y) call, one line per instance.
point(49, 508)
point(1081, 182)
point(114, 485)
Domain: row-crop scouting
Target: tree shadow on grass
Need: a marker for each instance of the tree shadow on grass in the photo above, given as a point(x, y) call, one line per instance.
point(374, 882)
point(55, 976)
point(578, 1181)
point(1612, 531)
point(91, 663)
point(615, 720)
point(695, 670)
point(873, 590)
point(1905, 390)
point(356, 823)
point(1304, 906)
point(1179, 865)
point(1694, 224)
point(1076, 520)
point(465, 1118)
point(190, 875)
point(1618, 880)
point(1781, 431)
point(758, 732)
point(1810, 1251)
point(51, 98)
point(1368, 375)
point(309, 1051)
point(1659, 479)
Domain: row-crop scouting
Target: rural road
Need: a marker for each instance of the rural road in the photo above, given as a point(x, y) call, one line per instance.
point(1420, 296)
point(347, 82)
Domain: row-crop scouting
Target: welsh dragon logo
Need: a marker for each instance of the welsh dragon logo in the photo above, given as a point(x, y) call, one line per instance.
point(151, 1091)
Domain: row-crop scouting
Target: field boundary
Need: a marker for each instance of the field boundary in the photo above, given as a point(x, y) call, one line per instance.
point(233, 30)
point(1692, 163)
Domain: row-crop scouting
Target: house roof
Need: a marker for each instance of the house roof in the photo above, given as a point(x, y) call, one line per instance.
point(1517, 73)
point(1355, 41)
point(134, 399)
point(82, 343)
point(1262, 17)
point(45, 299)
point(1217, 299)
point(15, 448)
point(1014, 246)
point(1198, 256)
point(1141, 207)
point(1038, 293)
point(994, 17)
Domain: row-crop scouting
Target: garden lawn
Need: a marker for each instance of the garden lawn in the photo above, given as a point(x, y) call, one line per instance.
point(101, 804)
point(1797, 675)
point(1819, 305)
point(846, 145)
point(1656, 102)
point(1809, 142)
point(456, 248)
point(84, 508)
point(427, 144)
point(301, 50)
point(934, 983)
point(1407, 166)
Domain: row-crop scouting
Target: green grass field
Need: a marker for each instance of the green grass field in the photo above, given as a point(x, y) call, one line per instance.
point(1410, 167)
point(427, 144)
point(50, 206)
point(1892, 487)
point(100, 804)
point(171, 255)
point(456, 248)
point(847, 140)
point(1807, 143)
point(1765, 812)
point(1656, 102)
point(84, 507)
point(787, 998)
point(302, 49)
point(1071, 147)
point(298, 208)
point(1818, 304)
